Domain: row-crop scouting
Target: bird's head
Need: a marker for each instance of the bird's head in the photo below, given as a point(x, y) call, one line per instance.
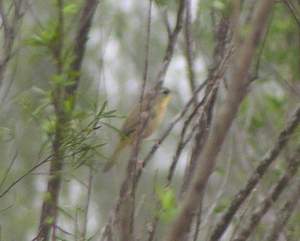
point(164, 96)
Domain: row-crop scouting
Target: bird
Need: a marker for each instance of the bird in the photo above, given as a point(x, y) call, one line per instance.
point(131, 127)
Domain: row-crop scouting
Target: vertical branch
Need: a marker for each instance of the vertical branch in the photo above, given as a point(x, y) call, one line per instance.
point(10, 32)
point(147, 50)
point(81, 38)
point(125, 209)
point(87, 203)
point(50, 204)
point(189, 46)
point(222, 57)
point(171, 45)
point(123, 218)
point(49, 212)
point(221, 124)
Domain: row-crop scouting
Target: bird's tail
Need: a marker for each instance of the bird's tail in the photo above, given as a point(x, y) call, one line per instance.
point(114, 157)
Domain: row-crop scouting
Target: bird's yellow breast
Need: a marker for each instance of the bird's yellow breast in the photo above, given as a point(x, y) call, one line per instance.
point(159, 113)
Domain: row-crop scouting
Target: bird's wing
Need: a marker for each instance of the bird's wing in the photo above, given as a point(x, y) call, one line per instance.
point(133, 119)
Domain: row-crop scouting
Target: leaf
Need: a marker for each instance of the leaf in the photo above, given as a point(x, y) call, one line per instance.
point(102, 108)
point(221, 206)
point(61, 80)
point(71, 8)
point(38, 91)
point(69, 104)
point(112, 127)
point(162, 2)
point(39, 109)
point(44, 37)
point(49, 126)
point(219, 5)
point(167, 199)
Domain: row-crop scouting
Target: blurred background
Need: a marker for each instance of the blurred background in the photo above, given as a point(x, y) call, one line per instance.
point(112, 75)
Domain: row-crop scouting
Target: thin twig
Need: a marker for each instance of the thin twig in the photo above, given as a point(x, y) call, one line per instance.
point(8, 169)
point(170, 127)
point(171, 45)
point(181, 141)
point(271, 198)
point(221, 124)
point(222, 57)
point(124, 209)
point(256, 176)
point(147, 49)
point(292, 11)
point(87, 203)
point(284, 214)
point(25, 175)
point(189, 44)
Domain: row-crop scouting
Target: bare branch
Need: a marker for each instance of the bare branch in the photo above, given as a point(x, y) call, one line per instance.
point(221, 124)
point(284, 214)
point(81, 38)
point(10, 27)
point(8, 169)
point(87, 203)
point(123, 217)
point(271, 198)
point(171, 45)
point(170, 127)
point(260, 170)
point(292, 10)
point(189, 53)
point(25, 175)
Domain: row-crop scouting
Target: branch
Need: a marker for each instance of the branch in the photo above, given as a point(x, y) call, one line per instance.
point(171, 45)
point(271, 198)
point(8, 169)
point(189, 46)
point(222, 55)
point(10, 27)
point(60, 94)
point(81, 38)
point(25, 175)
point(284, 214)
point(87, 203)
point(123, 216)
point(260, 170)
point(221, 124)
point(291, 8)
point(170, 128)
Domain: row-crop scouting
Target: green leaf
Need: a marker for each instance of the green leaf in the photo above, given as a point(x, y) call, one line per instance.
point(103, 107)
point(71, 8)
point(167, 199)
point(221, 206)
point(45, 37)
point(39, 109)
point(49, 126)
point(49, 220)
point(219, 5)
point(61, 80)
point(69, 104)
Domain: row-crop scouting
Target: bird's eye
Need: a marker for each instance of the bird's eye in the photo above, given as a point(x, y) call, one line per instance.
point(166, 91)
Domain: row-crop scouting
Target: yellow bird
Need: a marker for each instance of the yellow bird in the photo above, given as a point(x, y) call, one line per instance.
point(129, 131)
